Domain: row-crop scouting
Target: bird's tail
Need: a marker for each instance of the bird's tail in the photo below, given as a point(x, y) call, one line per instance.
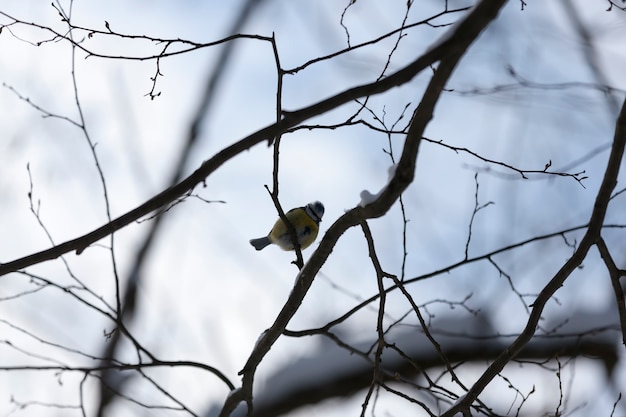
point(260, 243)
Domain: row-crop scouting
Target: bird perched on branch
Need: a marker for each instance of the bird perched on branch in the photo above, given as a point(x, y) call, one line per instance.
point(305, 221)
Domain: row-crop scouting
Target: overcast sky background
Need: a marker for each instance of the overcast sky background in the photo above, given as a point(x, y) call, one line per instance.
point(208, 294)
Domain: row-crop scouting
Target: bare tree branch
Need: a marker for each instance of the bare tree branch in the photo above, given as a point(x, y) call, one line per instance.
point(290, 119)
point(591, 238)
point(462, 36)
point(126, 307)
point(615, 274)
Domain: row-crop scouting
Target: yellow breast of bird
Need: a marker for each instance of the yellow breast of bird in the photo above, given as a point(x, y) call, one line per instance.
point(306, 230)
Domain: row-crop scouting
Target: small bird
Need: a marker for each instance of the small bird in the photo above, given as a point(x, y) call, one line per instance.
point(305, 220)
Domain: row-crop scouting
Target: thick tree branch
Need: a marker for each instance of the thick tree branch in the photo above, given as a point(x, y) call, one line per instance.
point(461, 37)
point(291, 119)
point(341, 373)
point(615, 274)
point(591, 237)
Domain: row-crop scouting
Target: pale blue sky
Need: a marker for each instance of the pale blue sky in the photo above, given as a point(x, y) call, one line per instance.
point(207, 294)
